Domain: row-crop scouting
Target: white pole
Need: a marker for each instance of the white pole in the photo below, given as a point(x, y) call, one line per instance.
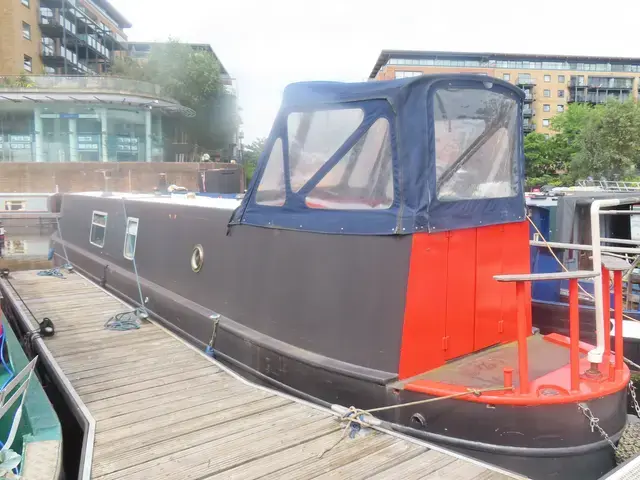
point(595, 355)
point(39, 137)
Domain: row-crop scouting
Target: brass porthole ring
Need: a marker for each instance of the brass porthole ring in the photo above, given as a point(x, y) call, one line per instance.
point(197, 258)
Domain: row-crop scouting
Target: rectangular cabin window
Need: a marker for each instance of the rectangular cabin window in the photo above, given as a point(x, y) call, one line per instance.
point(130, 237)
point(15, 205)
point(475, 144)
point(98, 229)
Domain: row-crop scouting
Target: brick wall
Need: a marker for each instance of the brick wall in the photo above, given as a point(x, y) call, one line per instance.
point(13, 46)
point(88, 176)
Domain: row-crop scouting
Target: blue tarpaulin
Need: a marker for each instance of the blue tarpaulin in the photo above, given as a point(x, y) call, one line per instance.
point(428, 117)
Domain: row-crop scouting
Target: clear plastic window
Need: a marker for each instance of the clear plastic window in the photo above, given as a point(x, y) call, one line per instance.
point(98, 229)
point(271, 190)
point(363, 178)
point(475, 144)
point(314, 137)
point(130, 237)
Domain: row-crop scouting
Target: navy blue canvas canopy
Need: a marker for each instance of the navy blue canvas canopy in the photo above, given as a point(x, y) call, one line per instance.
point(428, 153)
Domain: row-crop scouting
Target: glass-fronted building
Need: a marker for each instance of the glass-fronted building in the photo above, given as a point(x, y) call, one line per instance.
point(81, 119)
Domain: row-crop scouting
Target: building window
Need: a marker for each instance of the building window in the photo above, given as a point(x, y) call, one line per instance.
point(560, 108)
point(560, 93)
point(546, 136)
point(406, 74)
point(130, 237)
point(547, 93)
point(98, 229)
point(560, 78)
point(26, 30)
point(546, 108)
point(547, 78)
point(506, 76)
point(15, 205)
point(545, 122)
point(27, 65)
point(25, 3)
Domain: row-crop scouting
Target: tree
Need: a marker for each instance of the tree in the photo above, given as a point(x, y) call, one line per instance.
point(192, 78)
point(571, 122)
point(609, 143)
point(251, 155)
point(545, 160)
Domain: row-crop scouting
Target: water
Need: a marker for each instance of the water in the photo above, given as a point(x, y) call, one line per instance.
point(25, 251)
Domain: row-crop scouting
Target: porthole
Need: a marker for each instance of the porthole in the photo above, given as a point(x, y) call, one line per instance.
point(197, 258)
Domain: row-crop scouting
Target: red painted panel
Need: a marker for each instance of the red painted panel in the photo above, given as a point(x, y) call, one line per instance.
point(488, 291)
point(461, 289)
point(426, 305)
point(453, 304)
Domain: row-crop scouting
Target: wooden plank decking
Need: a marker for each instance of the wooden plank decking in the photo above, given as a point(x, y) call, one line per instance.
point(164, 410)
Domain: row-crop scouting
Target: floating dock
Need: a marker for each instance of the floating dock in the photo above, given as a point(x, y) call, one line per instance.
point(154, 407)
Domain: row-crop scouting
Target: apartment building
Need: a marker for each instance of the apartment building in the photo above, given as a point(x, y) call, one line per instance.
point(66, 37)
point(550, 82)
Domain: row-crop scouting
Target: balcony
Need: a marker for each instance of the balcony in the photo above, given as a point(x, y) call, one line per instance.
point(55, 27)
point(94, 45)
point(528, 112)
point(529, 97)
point(529, 127)
point(598, 98)
point(606, 83)
point(526, 82)
point(87, 89)
point(70, 84)
point(56, 58)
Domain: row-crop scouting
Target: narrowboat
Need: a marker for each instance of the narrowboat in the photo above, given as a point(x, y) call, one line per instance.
point(379, 259)
point(562, 237)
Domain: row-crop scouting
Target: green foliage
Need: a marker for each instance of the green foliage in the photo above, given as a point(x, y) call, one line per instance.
point(545, 160)
point(596, 141)
point(193, 79)
point(251, 155)
point(184, 74)
point(21, 81)
point(609, 143)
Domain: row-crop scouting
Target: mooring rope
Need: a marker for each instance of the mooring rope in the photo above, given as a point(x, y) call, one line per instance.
point(355, 416)
point(124, 321)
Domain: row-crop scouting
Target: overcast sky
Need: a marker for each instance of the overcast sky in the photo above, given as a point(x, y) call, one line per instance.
point(269, 44)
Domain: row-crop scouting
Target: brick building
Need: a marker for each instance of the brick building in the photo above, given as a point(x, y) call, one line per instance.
point(550, 82)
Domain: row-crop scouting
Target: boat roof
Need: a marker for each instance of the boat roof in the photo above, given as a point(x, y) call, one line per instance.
point(413, 108)
point(567, 203)
point(305, 94)
point(172, 199)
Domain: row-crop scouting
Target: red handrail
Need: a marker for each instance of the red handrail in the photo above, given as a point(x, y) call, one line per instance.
point(574, 321)
point(617, 300)
point(574, 334)
point(523, 355)
point(606, 305)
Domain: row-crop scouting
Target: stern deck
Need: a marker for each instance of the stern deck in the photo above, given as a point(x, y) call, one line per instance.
point(162, 409)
